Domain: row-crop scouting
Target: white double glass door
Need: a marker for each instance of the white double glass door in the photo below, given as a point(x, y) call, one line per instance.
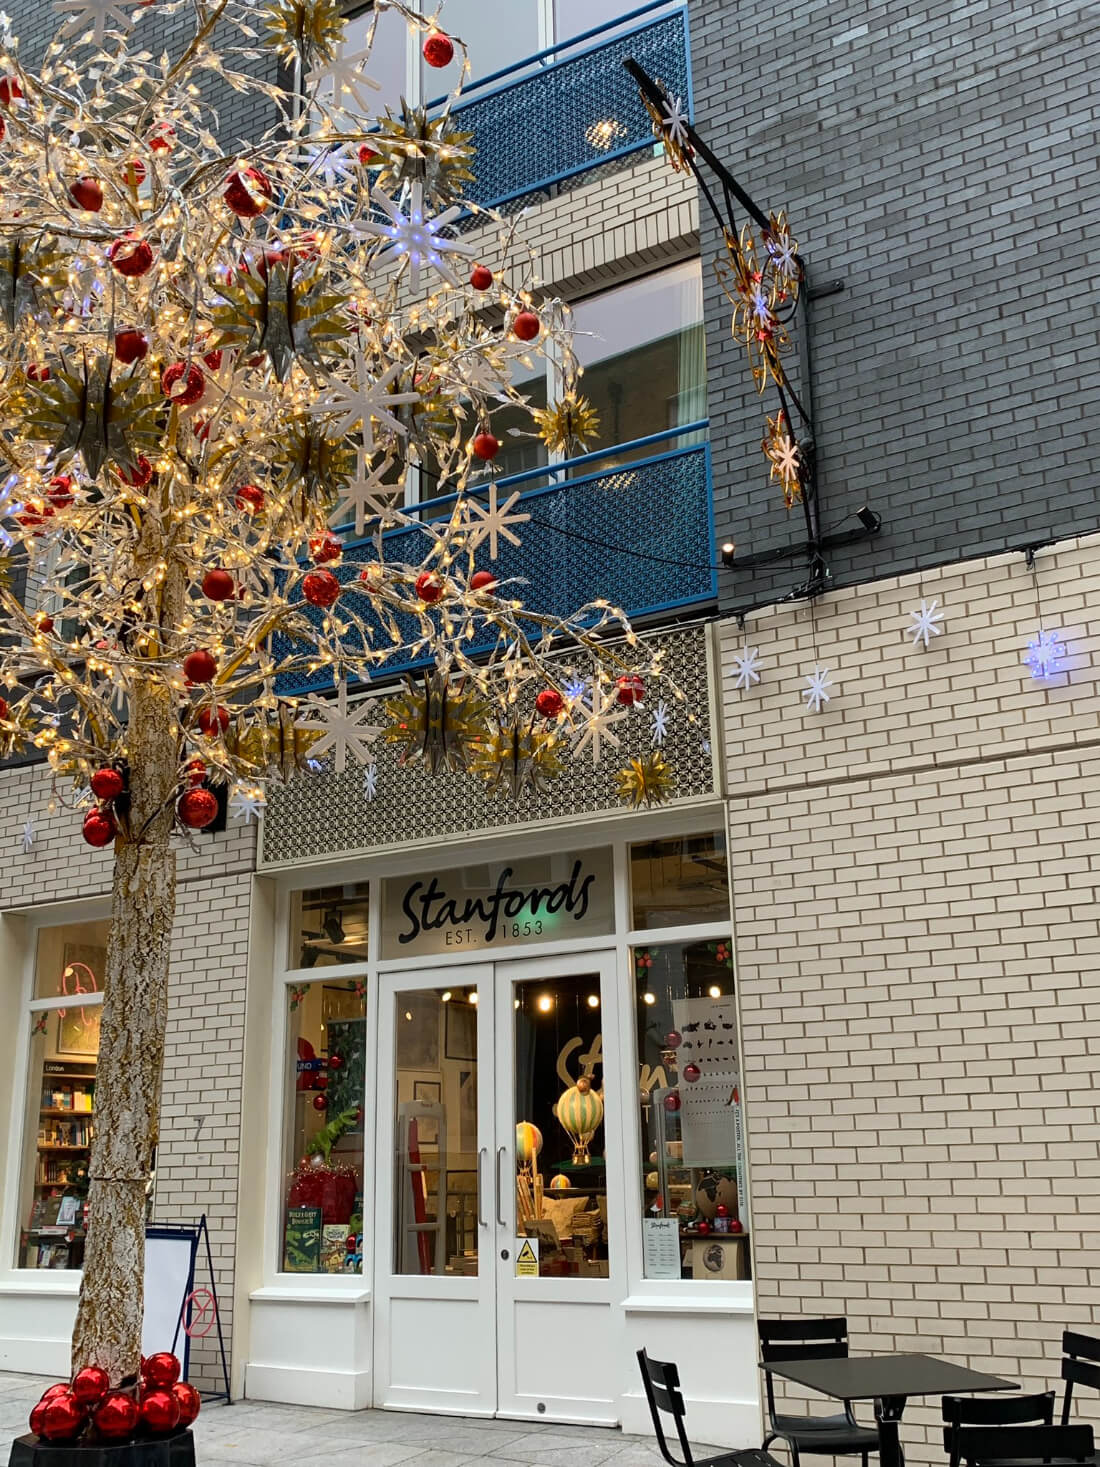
point(499, 1206)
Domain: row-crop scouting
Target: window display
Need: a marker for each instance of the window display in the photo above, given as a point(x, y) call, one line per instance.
point(328, 926)
point(695, 1220)
point(60, 1114)
point(677, 881)
point(561, 1172)
point(323, 1147)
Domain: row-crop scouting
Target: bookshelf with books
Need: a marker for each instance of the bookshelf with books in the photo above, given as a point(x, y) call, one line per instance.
point(54, 1233)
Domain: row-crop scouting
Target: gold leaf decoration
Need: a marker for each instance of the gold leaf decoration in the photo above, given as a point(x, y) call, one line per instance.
point(437, 721)
point(283, 308)
point(24, 268)
point(783, 453)
point(569, 425)
point(414, 146)
point(320, 466)
point(84, 408)
point(515, 756)
point(647, 780)
point(276, 747)
point(312, 29)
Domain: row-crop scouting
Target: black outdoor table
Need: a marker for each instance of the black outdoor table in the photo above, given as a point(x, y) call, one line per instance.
point(888, 1380)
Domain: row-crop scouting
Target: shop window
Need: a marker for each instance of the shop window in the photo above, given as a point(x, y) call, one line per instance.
point(324, 1128)
point(435, 1228)
point(679, 881)
point(695, 1218)
point(561, 1170)
point(59, 1119)
point(328, 926)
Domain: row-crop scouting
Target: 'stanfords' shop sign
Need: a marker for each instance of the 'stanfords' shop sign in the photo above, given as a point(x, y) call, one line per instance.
point(542, 899)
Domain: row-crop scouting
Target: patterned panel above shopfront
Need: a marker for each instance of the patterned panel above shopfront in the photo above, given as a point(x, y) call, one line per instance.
point(385, 804)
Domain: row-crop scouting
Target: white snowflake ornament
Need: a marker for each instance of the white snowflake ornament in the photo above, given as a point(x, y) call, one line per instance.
point(924, 623)
point(818, 689)
point(28, 837)
point(1045, 655)
point(343, 731)
point(597, 728)
point(247, 802)
point(364, 401)
point(417, 238)
point(660, 725)
point(492, 521)
point(744, 668)
point(93, 15)
point(370, 782)
point(674, 120)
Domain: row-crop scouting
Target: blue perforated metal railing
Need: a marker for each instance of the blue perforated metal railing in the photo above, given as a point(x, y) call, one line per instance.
point(558, 116)
point(639, 533)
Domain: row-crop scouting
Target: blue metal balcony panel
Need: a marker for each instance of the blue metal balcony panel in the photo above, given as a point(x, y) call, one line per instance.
point(572, 116)
point(639, 534)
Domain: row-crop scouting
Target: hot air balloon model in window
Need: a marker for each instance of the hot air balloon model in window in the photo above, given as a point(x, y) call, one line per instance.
point(580, 1114)
point(528, 1176)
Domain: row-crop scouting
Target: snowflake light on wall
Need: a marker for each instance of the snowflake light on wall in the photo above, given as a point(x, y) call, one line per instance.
point(924, 622)
point(818, 689)
point(1045, 655)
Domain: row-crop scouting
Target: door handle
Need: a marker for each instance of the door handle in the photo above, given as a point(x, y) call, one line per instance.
point(501, 1153)
point(482, 1221)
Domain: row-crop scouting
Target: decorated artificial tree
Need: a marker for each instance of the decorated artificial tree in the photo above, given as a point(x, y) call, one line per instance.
point(211, 364)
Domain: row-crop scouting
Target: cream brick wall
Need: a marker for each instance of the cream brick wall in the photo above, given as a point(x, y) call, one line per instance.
point(198, 1154)
point(915, 888)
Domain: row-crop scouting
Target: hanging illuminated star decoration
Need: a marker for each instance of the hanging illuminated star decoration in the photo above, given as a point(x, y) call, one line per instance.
point(785, 457)
point(415, 238)
point(1045, 655)
point(745, 668)
point(818, 689)
point(365, 400)
point(924, 623)
point(493, 521)
point(343, 731)
point(597, 728)
point(660, 724)
point(247, 802)
point(515, 757)
point(96, 16)
point(647, 780)
point(28, 837)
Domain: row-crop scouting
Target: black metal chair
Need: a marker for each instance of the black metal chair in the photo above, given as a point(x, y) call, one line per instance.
point(1080, 1366)
point(836, 1435)
point(960, 1411)
point(1025, 1446)
point(662, 1390)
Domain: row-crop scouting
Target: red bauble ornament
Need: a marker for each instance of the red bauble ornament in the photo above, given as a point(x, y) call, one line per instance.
point(194, 383)
point(116, 1417)
point(55, 1390)
point(212, 359)
point(163, 1369)
point(704, 1228)
point(320, 1102)
point(367, 154)
point(429, 587)
point(213, 721)
point(160, 1411)
point(107, 784)
point(37, 372)
point(481, 277)
point(10, 90)
point(3, 129)
point(188, 1400)
point(248, 192)
point(87, 193)
point(721, 1210)
point(482, 580)
point(629, 689)
point(59, 491)
point(218, 585)
point(92, 1383)
point(138, 476)
point(672, 1101)
point(43, 623)
point(736, 1225)
point(250, 498)
point(197, 808)
point(162, 138)
point(527, 326)
point(63, 1419)
point(336, 1061)
point(439, 50)
point(692, 1073)
point(486, 447)
point(320, 1082)
point(99, 828)
point(549, 703)
point(320, 588)
point(673, 1039)
point(196, 771)
point(131, 257)
point(131, 345)
point(4, 714)
point(38, 1417)
point(350, 1243)
point(200, 666)
point(135, 173)
point(325, 548)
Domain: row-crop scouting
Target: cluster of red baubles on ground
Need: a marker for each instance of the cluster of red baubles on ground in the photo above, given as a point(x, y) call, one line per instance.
point(87, 1407)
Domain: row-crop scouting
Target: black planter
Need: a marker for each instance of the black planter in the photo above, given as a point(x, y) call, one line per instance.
point(177, 1450)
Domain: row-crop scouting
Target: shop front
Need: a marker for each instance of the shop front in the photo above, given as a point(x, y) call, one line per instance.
point(505, 1131)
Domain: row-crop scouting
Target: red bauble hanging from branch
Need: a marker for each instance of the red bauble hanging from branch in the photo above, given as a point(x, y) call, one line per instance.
point(248, 192)
point(99, 828)
point(131, 257)
point(321, 588)
point(199, 666)
point(107, 784)
point(439, 49)
point(197, 808)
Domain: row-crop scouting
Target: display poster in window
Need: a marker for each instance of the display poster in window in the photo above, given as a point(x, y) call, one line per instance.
point(506, 904)
point(302, 1240)
point(661, 1247)
point(709, 1083)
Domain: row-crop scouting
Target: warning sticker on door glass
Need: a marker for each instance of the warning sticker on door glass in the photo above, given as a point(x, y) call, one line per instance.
point(527, 1258)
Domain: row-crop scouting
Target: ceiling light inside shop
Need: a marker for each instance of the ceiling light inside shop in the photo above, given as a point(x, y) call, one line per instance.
point(714, 991)
point(593, 1000)
point(649, 998)
point(408, 1016)
point(473, 997)
point(446, 996)
point(545, 1003)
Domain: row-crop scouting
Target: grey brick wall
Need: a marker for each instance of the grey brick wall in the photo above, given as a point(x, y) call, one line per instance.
point(940, 158)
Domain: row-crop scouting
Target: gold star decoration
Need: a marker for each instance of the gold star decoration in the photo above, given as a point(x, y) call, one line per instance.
point(436, 721)
point(785, 457)
point(274, 746)
point(282, 307)
point(568, 425)
point(86, 408)
point(307, 29)
point(646, 780)
point(415, 147)
point(516, 757)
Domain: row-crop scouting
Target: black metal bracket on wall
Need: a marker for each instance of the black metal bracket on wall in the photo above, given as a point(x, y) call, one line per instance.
point(815, 545)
